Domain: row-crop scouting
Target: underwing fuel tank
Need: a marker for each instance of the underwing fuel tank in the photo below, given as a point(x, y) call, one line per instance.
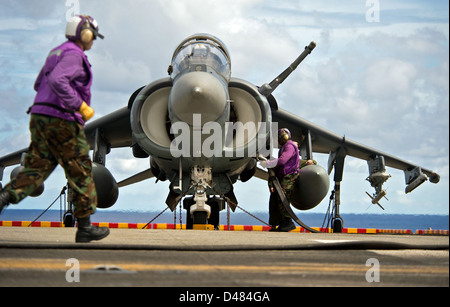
point(311, 187)
point(105, 185)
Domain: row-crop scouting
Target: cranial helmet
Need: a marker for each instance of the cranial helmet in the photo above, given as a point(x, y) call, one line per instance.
point(83, 28)
point(283, 135)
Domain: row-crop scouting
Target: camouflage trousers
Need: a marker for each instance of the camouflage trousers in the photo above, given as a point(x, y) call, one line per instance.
point(56, 141)
point(276, 208)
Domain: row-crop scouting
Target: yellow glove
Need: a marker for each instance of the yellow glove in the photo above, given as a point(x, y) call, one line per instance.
point(86, 111)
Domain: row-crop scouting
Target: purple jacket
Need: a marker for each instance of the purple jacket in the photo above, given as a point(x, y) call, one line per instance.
point(288, 159)
point(63, 83)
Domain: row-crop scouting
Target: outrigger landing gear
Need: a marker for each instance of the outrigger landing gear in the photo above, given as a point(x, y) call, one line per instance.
point(337, 223)
point(68, 217)
point(337, 159)
point(69, 220)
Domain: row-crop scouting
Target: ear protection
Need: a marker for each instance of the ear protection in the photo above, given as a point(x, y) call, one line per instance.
point(86, 35)
point(284, 135)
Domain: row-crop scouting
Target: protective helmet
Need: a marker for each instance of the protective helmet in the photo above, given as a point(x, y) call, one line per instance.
point(283, 135)
point(83, 28)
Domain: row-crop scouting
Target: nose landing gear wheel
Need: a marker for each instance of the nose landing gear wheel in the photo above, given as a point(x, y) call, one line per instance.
point(200, 217)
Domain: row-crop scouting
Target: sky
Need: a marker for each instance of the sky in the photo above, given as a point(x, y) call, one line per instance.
point(379, 75)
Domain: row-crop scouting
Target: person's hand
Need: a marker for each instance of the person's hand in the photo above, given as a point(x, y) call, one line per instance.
point(86, 111)
point(263, 163)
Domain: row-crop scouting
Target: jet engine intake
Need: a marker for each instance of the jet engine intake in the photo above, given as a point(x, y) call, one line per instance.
point(250, 120)
point(149, 118)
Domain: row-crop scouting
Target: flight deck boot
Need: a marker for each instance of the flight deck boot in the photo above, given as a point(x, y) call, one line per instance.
point(286, 225)
point(87, 232)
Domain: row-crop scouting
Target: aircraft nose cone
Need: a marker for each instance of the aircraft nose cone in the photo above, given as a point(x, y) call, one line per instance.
point(198, 93)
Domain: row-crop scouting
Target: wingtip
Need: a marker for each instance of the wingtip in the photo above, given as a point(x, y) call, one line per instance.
point(435, 178)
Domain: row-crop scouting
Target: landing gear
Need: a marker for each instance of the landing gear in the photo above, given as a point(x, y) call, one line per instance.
point(337, 160)
point(69, 220)
point(68, 217)
point(337, 224)
point(200, 217)
point(216, 205)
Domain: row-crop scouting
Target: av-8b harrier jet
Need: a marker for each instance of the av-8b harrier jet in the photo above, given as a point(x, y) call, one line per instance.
point(203, 130)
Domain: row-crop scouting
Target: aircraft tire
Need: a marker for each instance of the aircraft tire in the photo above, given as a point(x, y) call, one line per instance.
point(69, 220)
point(200, 217)
point(337, 225)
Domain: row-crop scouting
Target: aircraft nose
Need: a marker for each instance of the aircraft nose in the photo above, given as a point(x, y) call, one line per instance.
point(198, 93)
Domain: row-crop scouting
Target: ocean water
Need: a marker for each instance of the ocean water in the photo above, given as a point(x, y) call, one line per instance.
point(380, 221)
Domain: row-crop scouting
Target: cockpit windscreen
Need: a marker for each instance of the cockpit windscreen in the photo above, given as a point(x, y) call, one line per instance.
point(201, 56)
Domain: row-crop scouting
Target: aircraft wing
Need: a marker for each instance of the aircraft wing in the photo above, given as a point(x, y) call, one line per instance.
point(314, 138)
point(12, 158)
point(325, 141)
point(114, 128)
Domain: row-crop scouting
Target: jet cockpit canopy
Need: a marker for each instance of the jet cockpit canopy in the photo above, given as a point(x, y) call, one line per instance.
point(201, 52)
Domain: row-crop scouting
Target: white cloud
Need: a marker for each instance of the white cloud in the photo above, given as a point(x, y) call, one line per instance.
point(124, 76)
point(382, 84)
point(389, 78)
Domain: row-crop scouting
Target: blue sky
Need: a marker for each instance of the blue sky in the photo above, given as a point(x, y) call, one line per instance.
point(383, 83)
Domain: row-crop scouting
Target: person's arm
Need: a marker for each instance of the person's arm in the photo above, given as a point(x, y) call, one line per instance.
point(287, 153)
point(61, 79)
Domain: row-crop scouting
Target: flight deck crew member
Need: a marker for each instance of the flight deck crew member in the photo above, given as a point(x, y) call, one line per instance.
point(60, 109)
point(287, 168)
